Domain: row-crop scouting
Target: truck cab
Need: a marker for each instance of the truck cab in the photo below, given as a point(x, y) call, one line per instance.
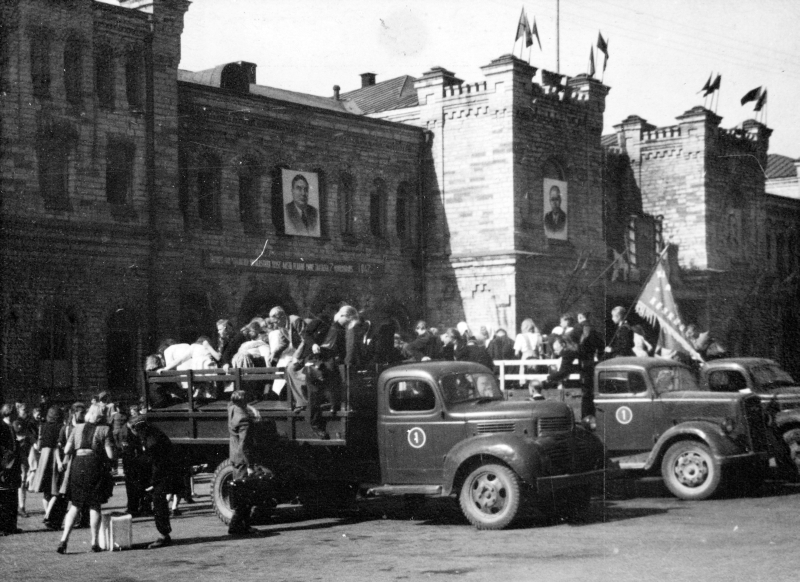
point(652, 415)
point(428, 429)
point(778, 392)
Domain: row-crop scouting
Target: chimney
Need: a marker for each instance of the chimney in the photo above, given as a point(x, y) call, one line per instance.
point(367, 79)
point(336, 89)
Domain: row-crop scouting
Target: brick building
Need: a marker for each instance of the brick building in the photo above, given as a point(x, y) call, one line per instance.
point(141, 202)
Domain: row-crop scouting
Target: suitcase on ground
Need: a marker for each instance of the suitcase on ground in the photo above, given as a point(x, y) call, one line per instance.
point(116, 531)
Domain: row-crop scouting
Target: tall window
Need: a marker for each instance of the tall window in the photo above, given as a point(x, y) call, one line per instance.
point(208, 191)
point(249, 213)
point(347, 202)
point(55, 338)
point(377, 208)
point(121, 351)
point(53, 154)
point(134, 79)
point(73, 70)
point(40, 64)
point(183, 185)
point(119, 172)
point(104, 75)
point(404, 212)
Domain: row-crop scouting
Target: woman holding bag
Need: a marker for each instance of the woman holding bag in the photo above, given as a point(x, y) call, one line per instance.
point(90, 481)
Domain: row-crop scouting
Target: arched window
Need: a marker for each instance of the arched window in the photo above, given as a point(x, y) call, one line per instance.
point(56, 337)
point(347, 203)
point(119, 172)
point(40, 63)
point(249, 212)
point(209, 181)
point(377, 208)
point(73, 70)
point(278, 220)
point(104, 75)
point(234, 77)
point(54, 148)
point(122, 351)
point(134, 79)
point(404, 212)
point(322, 189)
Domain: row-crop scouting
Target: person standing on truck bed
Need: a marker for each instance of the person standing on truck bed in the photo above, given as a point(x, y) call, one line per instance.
point(328, 346)
point(284, 341)
point(425, 346)
point(590, 351)
point(622, 342)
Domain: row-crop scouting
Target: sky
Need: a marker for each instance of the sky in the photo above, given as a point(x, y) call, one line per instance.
point(660, 52)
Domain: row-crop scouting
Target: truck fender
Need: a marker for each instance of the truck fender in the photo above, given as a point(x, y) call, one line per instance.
point(522, 455)
point(707, 432)
point(787, 419)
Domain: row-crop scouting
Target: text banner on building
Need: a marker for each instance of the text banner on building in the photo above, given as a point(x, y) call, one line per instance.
point(296, 266)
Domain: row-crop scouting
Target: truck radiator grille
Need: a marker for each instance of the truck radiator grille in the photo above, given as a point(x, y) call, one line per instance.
point(755, 420)
point(489, 427)
point(554, 424)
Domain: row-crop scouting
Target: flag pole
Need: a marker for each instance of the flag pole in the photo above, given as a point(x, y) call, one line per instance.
point(558, 36)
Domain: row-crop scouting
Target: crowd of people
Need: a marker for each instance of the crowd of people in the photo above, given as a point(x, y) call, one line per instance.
point(70, 454)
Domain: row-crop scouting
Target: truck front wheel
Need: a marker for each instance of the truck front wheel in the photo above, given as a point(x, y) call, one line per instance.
point(490, 496)
point(690, 471)
point(220, 491)
point(792, 439)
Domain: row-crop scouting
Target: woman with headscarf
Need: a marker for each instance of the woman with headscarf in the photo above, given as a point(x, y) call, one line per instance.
point(90, 481)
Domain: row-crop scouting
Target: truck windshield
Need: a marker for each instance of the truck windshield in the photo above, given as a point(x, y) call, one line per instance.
point(464, 387)
point(672, 379)
point(770, 377)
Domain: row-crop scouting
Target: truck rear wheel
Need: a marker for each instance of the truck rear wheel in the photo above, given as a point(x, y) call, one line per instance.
point(220, 491)
point(490, 496)
point(690, 471)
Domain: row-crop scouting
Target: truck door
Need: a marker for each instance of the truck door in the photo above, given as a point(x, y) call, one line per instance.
point(415, 433)
point(624, 412)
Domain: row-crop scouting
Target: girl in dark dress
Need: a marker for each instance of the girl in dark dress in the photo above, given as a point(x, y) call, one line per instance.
point(90, 480)
point(47, 479)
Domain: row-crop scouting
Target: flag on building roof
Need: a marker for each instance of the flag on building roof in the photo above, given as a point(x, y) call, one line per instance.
point(591, 62)
point(656, 303)
point(714, 86)
point(706, 86)
point(602, 44)
point(761, 100)
point(551, 79)
point(524, 29)
point(751, 95)
point(535, 32)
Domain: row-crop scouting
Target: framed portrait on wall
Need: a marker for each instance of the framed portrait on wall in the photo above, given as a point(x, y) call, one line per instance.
point(300, 203)
point(555, 209)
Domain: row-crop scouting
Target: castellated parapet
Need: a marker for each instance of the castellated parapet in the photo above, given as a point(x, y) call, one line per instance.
point(706, 181)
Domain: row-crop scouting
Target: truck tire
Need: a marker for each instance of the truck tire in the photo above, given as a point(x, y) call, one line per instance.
point(490, 496)
point(220, 491)
point(792, 439)
point(690, 471)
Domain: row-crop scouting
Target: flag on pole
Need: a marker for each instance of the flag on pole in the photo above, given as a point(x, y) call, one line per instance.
point(657, 304)
point(524, 29)
point(706, 86)
point(751, 95)
point(602, 44)
point(535, 32)
point(761, 100)
point(551, 79)
point(591, 62)
point(714, 86)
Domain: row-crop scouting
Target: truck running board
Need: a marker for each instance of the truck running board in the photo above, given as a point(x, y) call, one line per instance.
point(391, 490)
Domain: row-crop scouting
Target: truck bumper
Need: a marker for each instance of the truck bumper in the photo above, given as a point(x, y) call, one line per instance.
point(548, 485)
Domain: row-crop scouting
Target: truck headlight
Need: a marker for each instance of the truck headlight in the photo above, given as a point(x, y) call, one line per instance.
point(589, 422)
point(728, 425)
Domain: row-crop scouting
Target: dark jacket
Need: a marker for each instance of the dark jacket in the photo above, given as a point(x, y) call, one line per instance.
point(293, 337)
point(567, 368)
point(622, 342)
point(501, 348)
point(590, 345)
point(472, 352)
point(10, 473)
point(158, 453)
point(424, 345)
point(239, 423)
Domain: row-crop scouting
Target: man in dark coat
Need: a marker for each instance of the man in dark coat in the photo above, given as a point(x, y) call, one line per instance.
point(129, 449)
point(590, 350)
point(240, 427)
point(164, 475)
point(10, 479)
point(622, 342)
point(424, 346)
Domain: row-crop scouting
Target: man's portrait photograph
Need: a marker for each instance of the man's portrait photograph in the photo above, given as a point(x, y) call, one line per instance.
point(301, 203)
point(555, 209)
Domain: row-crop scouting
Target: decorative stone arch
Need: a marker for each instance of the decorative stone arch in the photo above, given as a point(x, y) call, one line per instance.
point(57, 335)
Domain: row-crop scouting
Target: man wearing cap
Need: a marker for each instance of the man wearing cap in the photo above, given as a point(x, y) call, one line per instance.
point(159, 458)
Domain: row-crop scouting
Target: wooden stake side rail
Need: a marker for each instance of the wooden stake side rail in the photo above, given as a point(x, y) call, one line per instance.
point(528, 370)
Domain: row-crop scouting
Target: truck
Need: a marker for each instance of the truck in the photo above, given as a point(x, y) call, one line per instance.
point(778, 392)
point(421, 430)
point(654, 418)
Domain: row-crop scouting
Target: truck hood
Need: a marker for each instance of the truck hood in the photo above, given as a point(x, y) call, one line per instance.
point(507, 409)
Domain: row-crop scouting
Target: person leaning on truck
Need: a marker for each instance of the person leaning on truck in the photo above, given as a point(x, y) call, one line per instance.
point(240, 421)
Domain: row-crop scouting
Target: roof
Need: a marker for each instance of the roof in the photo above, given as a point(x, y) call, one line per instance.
point(397, 93)
point(609, 140)
point(211, 78)
point(779, 166)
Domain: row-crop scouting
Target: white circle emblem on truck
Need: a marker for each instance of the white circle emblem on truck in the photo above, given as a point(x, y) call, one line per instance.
point(416, 437)
point(624, 415)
